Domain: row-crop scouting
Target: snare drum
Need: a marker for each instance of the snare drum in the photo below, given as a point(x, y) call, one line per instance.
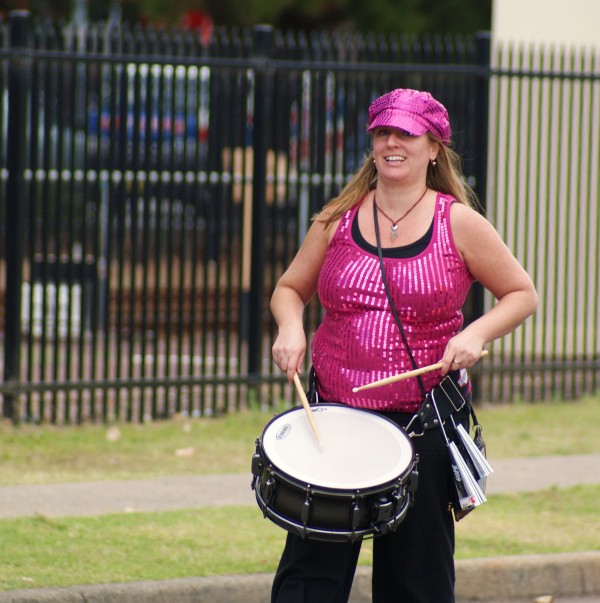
point(359, 482)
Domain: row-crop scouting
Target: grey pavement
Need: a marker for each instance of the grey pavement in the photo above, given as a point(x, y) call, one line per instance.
point(169, 493)
point(562, 578)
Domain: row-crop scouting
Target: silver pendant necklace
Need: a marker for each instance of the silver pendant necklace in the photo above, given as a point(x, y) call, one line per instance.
point(394, 227)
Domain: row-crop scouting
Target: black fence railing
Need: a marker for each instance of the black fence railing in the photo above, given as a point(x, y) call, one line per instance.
point(153, 189)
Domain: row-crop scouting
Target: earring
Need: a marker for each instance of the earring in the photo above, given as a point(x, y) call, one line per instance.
point(433, 163)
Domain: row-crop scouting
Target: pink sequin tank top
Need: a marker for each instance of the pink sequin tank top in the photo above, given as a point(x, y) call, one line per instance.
point(358, 340)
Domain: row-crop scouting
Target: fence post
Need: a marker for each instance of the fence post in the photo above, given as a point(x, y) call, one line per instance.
point(480, 150)
point(262, 42)
point(19, 71)
point(482, 88)
point(483, 43)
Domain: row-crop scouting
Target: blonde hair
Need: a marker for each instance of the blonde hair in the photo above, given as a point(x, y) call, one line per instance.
point(446, 177)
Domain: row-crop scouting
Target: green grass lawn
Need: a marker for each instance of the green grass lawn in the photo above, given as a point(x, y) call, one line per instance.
point(35, 455)
point(40, 551)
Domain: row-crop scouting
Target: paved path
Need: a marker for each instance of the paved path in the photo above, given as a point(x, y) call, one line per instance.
point(72, 499)
point(567, 578)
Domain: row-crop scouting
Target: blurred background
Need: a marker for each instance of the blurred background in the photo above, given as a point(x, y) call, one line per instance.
point(160, 163)
point(409, 16)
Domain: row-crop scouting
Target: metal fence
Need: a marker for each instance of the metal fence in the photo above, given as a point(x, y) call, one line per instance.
point(544, 181)
point(153, 189)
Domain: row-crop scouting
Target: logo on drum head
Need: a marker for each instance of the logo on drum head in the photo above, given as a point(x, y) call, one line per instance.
point(284, 431)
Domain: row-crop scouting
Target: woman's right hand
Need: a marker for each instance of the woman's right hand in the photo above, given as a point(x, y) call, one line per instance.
point(293, 291)
point(289, 350)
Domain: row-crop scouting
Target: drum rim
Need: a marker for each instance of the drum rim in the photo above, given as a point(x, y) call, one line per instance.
point(379, 414)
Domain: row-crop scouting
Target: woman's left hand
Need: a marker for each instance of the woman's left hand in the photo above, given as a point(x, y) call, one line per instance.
point(461, 351)
point(490, 263)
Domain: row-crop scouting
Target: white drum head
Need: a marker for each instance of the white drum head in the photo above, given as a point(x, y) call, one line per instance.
point(359, 448)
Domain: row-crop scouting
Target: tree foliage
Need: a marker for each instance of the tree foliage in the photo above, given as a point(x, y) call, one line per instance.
point(385, 16)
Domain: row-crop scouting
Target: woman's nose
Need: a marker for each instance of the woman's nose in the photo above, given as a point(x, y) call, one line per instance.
point(394, 138)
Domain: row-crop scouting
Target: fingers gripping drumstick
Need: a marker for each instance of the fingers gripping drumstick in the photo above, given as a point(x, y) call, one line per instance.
point(306, 405)
point(407, 375)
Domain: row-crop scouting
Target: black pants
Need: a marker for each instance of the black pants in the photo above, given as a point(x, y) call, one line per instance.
point(414, 564)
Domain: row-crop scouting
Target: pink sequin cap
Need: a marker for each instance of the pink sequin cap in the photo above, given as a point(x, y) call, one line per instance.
point(412, 110)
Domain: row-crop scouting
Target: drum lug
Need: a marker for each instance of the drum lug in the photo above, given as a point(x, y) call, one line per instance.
point(269, 492)
point(413, 480)
point(256, 465)
point(383, 513)
point(398, 497)
point(306, 509)
point(256, 468)
point(355, 515)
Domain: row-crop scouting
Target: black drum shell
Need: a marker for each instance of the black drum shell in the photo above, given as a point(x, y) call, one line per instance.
point(324, 513)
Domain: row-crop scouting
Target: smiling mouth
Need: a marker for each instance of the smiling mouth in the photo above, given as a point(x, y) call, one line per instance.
point(395, 158)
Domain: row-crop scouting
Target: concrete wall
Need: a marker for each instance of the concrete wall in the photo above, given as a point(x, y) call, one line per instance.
point(572, 23)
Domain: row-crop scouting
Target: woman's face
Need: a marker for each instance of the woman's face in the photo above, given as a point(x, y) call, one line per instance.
point(401, 156)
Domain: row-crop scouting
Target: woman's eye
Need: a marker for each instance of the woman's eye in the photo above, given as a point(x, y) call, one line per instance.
point(383, 132)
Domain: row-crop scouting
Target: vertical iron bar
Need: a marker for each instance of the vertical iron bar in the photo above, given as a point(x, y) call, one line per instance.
point(122, 235)
point(193, 190)
point(35, 360)
point(93, 191)
point(263, 36)
point(48, 249)
point(131, 195)
point(146, 339)
point(559, 248)
point(18, 85)
point(574, 262)
point(482, 88)
point(534, 192)
point(180, 103)
point(593, 195)
point(58, 114)
point(549, 256)
point(516, 153)
point(86, 266)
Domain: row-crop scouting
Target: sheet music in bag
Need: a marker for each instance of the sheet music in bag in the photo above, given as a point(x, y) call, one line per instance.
point(481, 464)
point(469, 494)
point(473, 495)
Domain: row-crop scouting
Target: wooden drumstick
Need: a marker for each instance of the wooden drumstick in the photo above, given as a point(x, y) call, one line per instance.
point(306, 405)
point(407, 375)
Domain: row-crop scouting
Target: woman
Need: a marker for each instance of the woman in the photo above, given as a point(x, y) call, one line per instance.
point(434, 244)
